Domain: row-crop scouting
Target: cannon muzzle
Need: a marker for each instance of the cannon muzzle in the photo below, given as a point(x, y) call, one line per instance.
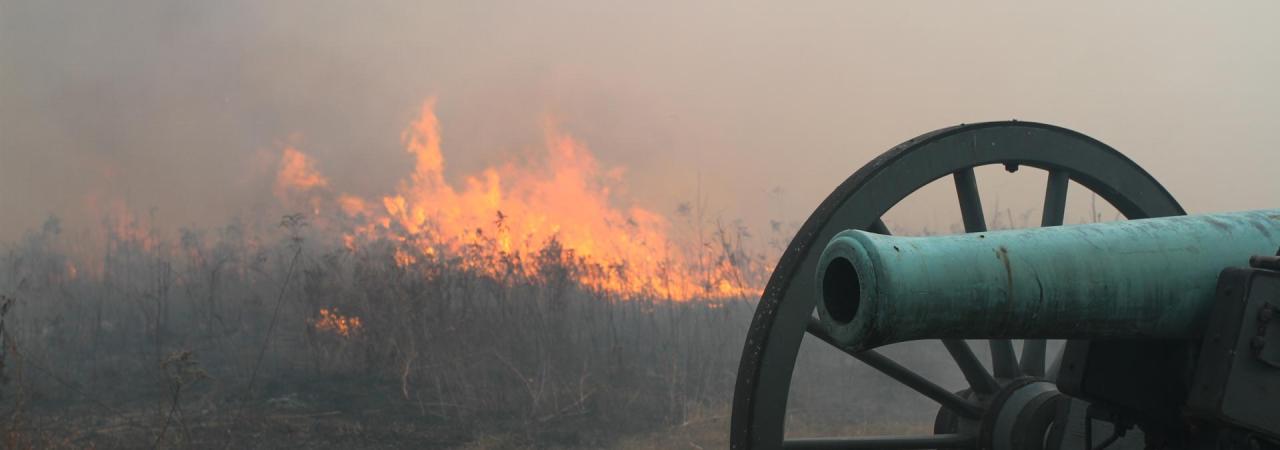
point(1138, 279)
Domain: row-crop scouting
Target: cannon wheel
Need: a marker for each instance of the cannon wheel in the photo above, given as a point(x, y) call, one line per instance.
point(785, 312)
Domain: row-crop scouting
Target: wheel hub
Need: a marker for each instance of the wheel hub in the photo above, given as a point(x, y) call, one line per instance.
point(1020, 416)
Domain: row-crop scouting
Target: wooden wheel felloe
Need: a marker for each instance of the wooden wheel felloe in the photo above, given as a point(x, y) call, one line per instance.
point(785, 312)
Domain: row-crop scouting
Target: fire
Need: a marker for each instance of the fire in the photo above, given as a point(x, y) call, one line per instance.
point(331, 321)
point(561, 211)
point(297, 172)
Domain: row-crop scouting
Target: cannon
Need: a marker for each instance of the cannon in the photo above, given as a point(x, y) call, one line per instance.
point(1171, 321)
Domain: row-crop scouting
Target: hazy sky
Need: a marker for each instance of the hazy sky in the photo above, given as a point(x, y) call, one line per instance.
point(185, 105)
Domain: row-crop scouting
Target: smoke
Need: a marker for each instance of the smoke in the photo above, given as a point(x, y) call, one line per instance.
point(184, 106)
point(183, 113)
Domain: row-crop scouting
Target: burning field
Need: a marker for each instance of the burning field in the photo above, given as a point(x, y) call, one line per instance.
point(525, 307)
point(512, 311)
point(514, 308)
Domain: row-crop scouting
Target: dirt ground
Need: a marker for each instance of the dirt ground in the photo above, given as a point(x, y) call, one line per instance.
point(278, 426)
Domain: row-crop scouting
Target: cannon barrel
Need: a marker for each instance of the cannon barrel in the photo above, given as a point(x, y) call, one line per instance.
point(1138, 279)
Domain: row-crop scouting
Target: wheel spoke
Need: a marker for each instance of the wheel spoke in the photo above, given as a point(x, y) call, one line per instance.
point(1003, 360)
point(885, 442)
point(970, 202)
point(903, 375)
point(981, 381)
point(879, 228)
point(1032, 361)
point(1055, 208)
point(1055, 199)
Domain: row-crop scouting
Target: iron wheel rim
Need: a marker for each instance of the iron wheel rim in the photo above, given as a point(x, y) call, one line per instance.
point(787, 303)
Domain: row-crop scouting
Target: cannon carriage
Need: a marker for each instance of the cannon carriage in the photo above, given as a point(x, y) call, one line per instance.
point(1168, 318)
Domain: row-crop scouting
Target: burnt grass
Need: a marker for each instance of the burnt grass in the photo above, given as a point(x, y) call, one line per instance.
point(211, 341)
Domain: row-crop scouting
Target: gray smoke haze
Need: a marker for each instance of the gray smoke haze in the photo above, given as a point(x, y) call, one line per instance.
point(184, 105)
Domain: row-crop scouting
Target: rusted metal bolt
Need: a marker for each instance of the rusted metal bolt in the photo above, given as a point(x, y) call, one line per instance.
point(1257, 343)
point(1266, 313)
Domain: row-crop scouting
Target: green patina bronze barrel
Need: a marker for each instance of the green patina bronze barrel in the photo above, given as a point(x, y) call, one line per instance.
point(1137, 279)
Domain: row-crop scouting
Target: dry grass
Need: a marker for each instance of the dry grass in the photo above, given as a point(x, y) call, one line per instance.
point(179, 344)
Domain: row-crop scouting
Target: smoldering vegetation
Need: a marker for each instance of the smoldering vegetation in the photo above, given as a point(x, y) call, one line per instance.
point(267, 335)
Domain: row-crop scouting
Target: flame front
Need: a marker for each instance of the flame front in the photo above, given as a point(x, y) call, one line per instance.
point(560, 213)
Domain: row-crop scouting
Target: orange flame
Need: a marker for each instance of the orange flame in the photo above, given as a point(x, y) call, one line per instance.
point(565, 205)
point(331, 321)
point(297, 173)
